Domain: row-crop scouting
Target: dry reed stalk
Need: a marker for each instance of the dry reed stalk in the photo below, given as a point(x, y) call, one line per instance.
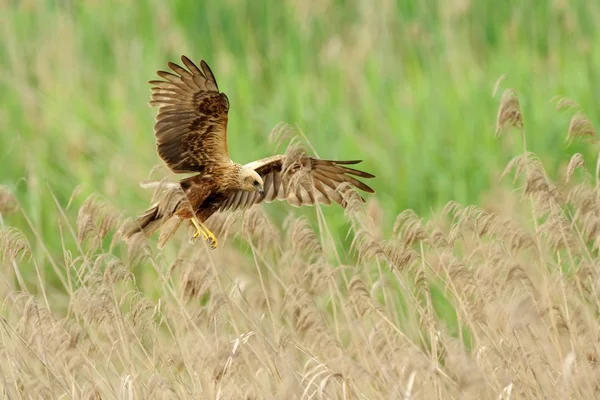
point(470, 304)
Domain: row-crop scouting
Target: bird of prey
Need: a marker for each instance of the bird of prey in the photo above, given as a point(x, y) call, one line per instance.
point(191, 137)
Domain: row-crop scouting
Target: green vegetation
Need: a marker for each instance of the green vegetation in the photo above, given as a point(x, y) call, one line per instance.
point(405, 86)
point(497, 300)
point(473, 303)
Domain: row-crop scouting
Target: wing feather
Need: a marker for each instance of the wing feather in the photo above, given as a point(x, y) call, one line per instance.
point(191, 124)
point(306, 181)
point(269, 186)
point(278, 190)
point(323, 196)
point(243, 199)
point(212, 82)
point(307, 193)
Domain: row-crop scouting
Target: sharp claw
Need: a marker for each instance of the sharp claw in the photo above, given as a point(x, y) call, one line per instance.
point(212, 242)
point(210, 239)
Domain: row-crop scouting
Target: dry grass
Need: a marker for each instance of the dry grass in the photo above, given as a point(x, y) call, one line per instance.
point(498, 301)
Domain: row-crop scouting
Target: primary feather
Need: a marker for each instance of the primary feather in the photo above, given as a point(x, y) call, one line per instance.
point(191, 124)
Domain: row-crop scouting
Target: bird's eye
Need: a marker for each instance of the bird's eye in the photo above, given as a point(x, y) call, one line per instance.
point(255, 183)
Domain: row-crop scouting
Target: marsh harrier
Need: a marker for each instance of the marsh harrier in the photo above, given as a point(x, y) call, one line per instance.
point(191, 137)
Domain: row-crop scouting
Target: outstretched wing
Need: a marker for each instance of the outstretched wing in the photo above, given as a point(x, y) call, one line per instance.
point(191, 124)
point(302, 181)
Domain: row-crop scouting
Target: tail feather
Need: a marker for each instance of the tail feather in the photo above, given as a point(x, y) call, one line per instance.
point(158, 214)
point(147, 223)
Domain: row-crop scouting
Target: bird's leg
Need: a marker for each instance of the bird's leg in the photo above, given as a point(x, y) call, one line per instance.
point(208, 236)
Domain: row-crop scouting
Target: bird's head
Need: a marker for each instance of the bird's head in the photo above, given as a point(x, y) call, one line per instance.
point(251, 181)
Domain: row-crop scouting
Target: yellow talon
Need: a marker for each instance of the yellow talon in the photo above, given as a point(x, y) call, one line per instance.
point(208, 236)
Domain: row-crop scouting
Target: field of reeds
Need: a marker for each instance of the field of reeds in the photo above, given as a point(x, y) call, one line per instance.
point(471, 273)
point(492, 301)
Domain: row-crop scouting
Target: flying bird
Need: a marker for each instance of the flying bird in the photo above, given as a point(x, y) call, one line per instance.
point(191, 137)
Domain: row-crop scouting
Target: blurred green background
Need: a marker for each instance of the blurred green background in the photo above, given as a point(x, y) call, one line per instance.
point(405, 85)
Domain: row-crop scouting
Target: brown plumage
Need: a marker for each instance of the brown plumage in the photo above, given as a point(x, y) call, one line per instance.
point(191, 137)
